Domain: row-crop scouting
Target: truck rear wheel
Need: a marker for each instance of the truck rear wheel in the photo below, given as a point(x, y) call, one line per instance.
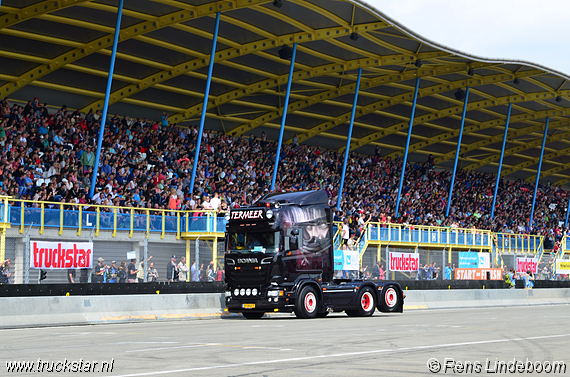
point(365, 305)
point(253, 315)
point(307, 303)
point(366, 302)
point(390, 299)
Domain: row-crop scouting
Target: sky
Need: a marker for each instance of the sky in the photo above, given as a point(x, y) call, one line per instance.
point(528, 30)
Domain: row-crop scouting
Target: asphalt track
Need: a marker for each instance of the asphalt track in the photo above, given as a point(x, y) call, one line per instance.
point(384, 345)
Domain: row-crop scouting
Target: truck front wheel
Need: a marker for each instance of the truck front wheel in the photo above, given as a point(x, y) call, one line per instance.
point(307, 303)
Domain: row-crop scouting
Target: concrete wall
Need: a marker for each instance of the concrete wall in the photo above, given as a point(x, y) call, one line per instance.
point(63, 310)
point(479, 298)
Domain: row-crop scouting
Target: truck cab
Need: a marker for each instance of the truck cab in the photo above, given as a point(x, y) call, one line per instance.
point(280, 258)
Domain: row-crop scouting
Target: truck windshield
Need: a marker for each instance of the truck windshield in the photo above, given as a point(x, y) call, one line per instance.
point(253, 242)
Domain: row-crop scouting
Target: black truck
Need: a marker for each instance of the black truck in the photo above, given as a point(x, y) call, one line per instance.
point(280, 258)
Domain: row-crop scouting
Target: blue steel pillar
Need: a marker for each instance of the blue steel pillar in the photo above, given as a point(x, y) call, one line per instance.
point(501, 162)
point(567, 213)
point(107, 95)
point(284, 116)
point(538, 172)
point(348, 138)
point(407, 145)
point(457, 153)
point(205, 104)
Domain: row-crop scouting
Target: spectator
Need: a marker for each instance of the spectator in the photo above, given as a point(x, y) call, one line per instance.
point(99, 271)
point(71, 275)
point(195, 272)
point(111, 273)
point(182, 269)
point(172, 270)
point(152, 274)
point(141, 269)
point(132, 271)
point(5, 273)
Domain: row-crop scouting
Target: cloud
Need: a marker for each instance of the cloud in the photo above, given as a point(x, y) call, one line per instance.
point(520, 30)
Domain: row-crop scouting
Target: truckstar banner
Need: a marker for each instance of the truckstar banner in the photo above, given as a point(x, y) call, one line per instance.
point(525, 264)
point(61, 255)
point(404, 261)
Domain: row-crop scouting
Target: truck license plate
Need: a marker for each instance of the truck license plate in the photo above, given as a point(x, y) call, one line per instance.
point(248, 306)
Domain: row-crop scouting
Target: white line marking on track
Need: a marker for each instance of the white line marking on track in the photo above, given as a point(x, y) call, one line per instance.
point(341, 355)
point(167, 348)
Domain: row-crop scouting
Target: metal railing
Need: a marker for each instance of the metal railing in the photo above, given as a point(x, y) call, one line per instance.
point(24, 213)
point(427, 235)
point(518, 243)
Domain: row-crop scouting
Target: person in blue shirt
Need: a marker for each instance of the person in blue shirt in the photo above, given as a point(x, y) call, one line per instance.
point(528, 280)
point(111, 273)
point(448, 271)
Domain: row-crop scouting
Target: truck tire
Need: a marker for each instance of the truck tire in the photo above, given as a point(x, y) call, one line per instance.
point(307, 303)
point(253, 315)
point(366, 302)
point(390, 299)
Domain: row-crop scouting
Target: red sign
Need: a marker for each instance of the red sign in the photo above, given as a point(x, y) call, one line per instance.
point(478, 273)
point(61, 255)
point(525, 264)
point(404, 261)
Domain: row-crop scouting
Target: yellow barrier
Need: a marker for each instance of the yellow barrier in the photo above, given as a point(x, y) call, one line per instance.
point(31, 208)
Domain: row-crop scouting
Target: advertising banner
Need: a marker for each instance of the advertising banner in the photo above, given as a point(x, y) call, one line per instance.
point(525, 264)
point(474, 260)
point(404, 261)
point(61, 255)
point(478, 273)
point(347, 260)
point(563, 267)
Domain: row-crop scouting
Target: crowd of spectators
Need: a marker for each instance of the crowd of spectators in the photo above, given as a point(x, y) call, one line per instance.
point(50, 155)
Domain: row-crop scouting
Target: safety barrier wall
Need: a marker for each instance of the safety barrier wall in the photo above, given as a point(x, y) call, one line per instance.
point(64, 310)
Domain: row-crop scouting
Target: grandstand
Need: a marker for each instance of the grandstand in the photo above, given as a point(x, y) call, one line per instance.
point(285, 77)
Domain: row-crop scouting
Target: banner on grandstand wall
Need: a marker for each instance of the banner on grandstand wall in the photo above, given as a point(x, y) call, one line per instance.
point(61, 255)
point(525, 264)
point(474, 260)
point(347, 260)
point(478, 273)
point(404, 261)
point(563, 267)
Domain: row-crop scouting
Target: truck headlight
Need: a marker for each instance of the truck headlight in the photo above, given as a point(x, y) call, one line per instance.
point(236, 292)
point(228, 294)
point(272, 293)
point(242, 292)
point(227, 216)
point(254, 291)
point(248, 292)
point(269, 213)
